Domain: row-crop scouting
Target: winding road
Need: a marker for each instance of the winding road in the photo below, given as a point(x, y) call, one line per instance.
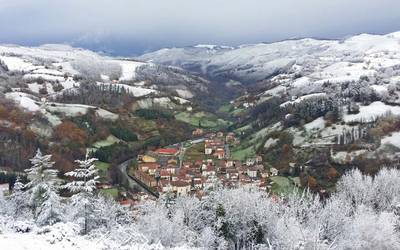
point(137, 185)
point(132, 182)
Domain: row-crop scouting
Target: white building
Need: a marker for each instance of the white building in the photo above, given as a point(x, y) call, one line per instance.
point(4, 189)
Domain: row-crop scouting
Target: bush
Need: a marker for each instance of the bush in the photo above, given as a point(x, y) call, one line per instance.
point(153, 114)
point(117, 152)
point(123, 133)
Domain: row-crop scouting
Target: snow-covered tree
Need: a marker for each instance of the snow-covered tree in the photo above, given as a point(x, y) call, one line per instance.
point(83, 185)
point(43, 188)
point(84, 177)
point(19, 199)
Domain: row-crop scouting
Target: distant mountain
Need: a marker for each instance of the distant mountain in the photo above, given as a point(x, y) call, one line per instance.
point(257, 62)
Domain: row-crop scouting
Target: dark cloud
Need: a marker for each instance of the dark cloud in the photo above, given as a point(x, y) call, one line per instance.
point(134, 26)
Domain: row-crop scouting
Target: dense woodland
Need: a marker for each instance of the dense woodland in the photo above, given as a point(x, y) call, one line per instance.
point(362, 214)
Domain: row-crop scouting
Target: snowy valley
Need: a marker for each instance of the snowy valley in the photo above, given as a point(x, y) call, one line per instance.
point(286, 145)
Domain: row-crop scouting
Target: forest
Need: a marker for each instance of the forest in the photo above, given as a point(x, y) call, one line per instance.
point(363, 213)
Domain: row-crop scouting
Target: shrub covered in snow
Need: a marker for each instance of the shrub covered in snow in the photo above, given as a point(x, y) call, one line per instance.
point(362, 214)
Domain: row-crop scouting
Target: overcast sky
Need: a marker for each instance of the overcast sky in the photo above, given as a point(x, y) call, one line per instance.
point(129, 27)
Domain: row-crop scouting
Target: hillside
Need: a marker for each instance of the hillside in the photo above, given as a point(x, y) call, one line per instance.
point(312, 108)
point(68, 100)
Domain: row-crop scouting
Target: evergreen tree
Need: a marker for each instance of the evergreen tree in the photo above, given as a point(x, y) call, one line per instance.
point(18, 199)
point(44, 198)
point(83, 186)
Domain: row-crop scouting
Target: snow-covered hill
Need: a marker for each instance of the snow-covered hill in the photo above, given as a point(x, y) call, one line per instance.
point(62, 64)
point(319, 60)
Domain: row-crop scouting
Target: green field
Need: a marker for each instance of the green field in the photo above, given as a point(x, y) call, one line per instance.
point(196, 152)
point(243, 153)
point(283, 185)
point(226, 108)
point(103, 168)
point(206, 120)
point(110, 140)
point(238, 112)
point(113, 192)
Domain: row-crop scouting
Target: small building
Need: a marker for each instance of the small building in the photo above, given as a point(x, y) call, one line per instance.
point(148, 158)
point(252, 172)
point(148, 167)
point(181, 188)
point(167, 151)
point(4, 189)
point(250, 161)
point(197, 132)
point(208, 151)
point(219, 153)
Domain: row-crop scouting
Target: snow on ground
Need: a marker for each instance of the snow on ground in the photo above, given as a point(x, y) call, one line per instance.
point(21, 241)
point(56, 53)
point(380, 89)
point(66, 67)
point(17, 64)
point(69, 83)
point(181, 100)
point(24, 100)
point(302, 98)
point(317, 124)
point(393, 139)
point(184, 93)
point(45, 71)
point(270, 143)
point(35, 87)
point(344, 70)
point(62, 239)
point(301, 82)
point(371, 112)
point(395, 79)
point(78, 109)
point(50, 78)
point(105, 114)
point(129, 69)
point(343, 157)
point(276, 91)
point(135, 91)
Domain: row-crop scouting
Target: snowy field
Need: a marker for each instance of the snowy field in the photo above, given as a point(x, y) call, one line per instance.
point(371, 112)
point(393, 139)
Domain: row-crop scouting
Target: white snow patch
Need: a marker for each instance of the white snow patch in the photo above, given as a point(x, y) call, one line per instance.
point(129, 69)
point(17, 64)
point(371, 112)
point(317, 124)
point(270, 143)
point(302, 98)
point(24, 100)
point(73, 110)
point(135, 91)
point(50, 78)
point(393, 139)
point(344, 157)
point(380, 89)
point(276, 91)
point(184, 93)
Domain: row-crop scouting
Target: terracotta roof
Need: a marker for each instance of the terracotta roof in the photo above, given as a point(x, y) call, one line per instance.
point(167, 151)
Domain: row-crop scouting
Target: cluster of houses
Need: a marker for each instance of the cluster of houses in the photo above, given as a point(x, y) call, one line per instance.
point(162, 171)
point(215, 144)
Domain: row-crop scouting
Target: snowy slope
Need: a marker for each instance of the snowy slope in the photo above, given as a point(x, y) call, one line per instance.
point(320, 59)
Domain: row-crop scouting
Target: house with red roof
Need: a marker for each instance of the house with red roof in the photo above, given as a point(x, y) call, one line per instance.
point(167, 151)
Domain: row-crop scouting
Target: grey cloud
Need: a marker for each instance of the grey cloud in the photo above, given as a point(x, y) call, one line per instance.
point(132, 26)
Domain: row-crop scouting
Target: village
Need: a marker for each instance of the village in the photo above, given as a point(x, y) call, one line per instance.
point(195, 167)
